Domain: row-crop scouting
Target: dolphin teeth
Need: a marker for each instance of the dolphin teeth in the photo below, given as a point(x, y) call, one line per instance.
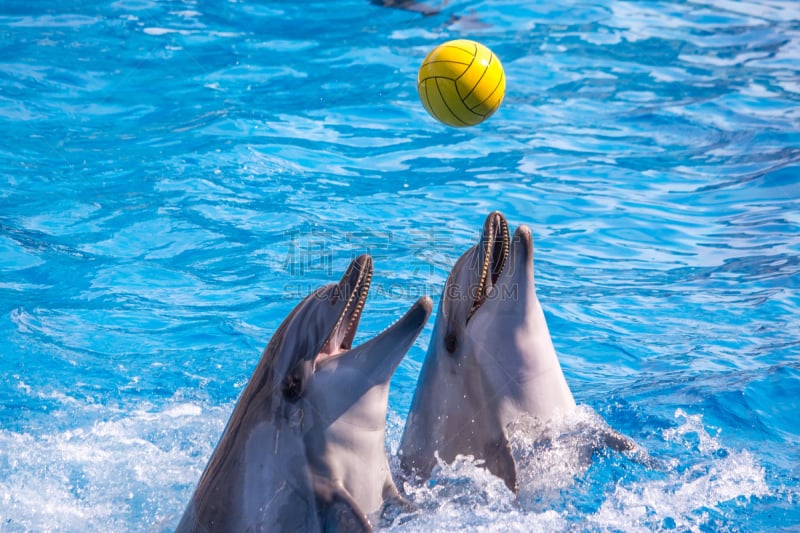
point(500, 256)
point(495, 242)
point(398, 320)
point(352, 314)
point(361, 293)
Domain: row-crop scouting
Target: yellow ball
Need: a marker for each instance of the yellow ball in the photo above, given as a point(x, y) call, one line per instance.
point(461, 83)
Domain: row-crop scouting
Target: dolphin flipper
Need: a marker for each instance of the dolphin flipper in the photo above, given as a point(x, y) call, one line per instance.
point(338, 511)
point(394, 506)
point(340, 517)
point(500, 462)
point(622, 443)
point(617, 441)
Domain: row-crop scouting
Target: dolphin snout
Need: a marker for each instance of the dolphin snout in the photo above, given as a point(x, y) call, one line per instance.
point(421, 311)
point(523, 242)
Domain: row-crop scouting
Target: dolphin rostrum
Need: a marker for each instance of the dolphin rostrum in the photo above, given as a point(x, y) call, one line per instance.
point(304, 448)
point(490, 360)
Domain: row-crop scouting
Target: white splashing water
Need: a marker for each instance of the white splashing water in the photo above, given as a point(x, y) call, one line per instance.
point(715, 476)
point(126, 470)
point(123, 469)
point(552, 458)
point(465, 496)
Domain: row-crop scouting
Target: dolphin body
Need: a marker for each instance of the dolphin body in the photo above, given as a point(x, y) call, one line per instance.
point(490, 360)
point(411, 5)
point(304, 448)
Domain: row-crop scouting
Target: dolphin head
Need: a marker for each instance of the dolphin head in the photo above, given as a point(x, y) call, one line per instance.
point(470, 282)
point(289, 456)
point(320, 327)
point(491, 319)
point(346, 404)
point(511, 342)
point(490, 359)
point(337, 393)
point(313, 357)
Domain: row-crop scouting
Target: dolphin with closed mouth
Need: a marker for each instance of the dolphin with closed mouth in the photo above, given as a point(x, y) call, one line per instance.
point(304, 449)
point(490, 360)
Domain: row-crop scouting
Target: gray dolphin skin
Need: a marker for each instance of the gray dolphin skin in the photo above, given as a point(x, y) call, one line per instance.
point(490, 360)
point(411, 5)
point(304, 448)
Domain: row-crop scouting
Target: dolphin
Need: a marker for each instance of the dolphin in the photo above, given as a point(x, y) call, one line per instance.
point(465, 22)
point(411, 5)
point(490, 360)
point(304, 449)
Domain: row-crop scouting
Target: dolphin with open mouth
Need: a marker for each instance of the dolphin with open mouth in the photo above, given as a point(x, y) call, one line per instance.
point(304, 448)
point(490, 360)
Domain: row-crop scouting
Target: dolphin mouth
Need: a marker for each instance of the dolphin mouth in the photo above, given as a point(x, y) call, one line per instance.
point(354, 289)
point(493, 252)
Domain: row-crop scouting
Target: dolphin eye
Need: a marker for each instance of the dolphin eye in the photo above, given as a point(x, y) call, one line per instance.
point(293, 386)
point(450, 342)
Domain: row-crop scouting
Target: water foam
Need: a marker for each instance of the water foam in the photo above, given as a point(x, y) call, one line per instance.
point(114, 469)
point(121, 469)
point(690, 490)
point(562, 469)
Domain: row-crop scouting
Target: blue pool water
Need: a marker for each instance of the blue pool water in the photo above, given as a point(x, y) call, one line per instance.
point(175, 176)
